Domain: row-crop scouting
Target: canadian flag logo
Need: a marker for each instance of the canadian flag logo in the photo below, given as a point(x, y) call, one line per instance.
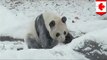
point(101, 7)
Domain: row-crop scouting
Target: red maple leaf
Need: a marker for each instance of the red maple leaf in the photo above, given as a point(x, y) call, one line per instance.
point(101, 6)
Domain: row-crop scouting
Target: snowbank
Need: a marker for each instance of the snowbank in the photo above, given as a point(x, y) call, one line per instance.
point(93, 45)
point(64, 51)
point(40, 54)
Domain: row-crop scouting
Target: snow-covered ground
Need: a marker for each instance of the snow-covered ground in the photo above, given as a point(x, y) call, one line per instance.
point(88, 28)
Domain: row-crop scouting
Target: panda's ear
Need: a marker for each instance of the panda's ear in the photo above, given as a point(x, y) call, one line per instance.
point(64, 19)
point(52, 23)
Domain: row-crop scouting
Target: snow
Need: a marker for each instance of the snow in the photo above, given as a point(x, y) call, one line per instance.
point(81, 27)
point(31, 54)
point(86, 26)
point(55, 53)
point(98, 36)
point(9, 22)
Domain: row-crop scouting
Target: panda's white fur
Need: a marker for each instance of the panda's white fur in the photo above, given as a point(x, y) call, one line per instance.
point(59, 27)
point(32, 31)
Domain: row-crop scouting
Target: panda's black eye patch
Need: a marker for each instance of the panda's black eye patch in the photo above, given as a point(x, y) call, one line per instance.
point(52, 23)
point(64, 32)
point(57, 34)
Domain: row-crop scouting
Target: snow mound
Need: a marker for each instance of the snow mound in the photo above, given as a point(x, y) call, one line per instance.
point(93, 45)
point(87, 45)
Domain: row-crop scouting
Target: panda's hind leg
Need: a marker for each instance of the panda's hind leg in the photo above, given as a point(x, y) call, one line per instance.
point(32, 43)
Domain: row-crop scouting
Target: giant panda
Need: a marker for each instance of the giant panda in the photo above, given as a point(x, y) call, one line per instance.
point(47, 30)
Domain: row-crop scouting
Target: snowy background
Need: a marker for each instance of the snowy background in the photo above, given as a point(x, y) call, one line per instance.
point(88, 28)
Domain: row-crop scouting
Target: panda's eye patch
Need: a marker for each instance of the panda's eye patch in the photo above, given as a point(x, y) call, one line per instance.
point(58, 34)
point(64, 33)
point(52, 23)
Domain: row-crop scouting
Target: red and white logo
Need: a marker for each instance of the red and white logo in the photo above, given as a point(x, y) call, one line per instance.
point(101, 7)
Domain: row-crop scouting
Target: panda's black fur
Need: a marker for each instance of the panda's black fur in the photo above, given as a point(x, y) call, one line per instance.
point(44, 39)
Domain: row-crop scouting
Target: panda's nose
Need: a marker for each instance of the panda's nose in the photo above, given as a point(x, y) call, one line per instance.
point(63, 38)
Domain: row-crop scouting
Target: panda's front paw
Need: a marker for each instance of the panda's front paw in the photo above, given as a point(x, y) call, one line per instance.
point(68, 38)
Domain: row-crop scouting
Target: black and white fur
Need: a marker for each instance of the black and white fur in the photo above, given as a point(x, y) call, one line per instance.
point(47, 31)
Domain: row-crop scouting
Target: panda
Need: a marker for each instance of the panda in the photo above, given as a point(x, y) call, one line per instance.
point(47, 31)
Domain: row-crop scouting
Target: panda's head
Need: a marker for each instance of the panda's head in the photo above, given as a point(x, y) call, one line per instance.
point(56, 26)
point(58, 29)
